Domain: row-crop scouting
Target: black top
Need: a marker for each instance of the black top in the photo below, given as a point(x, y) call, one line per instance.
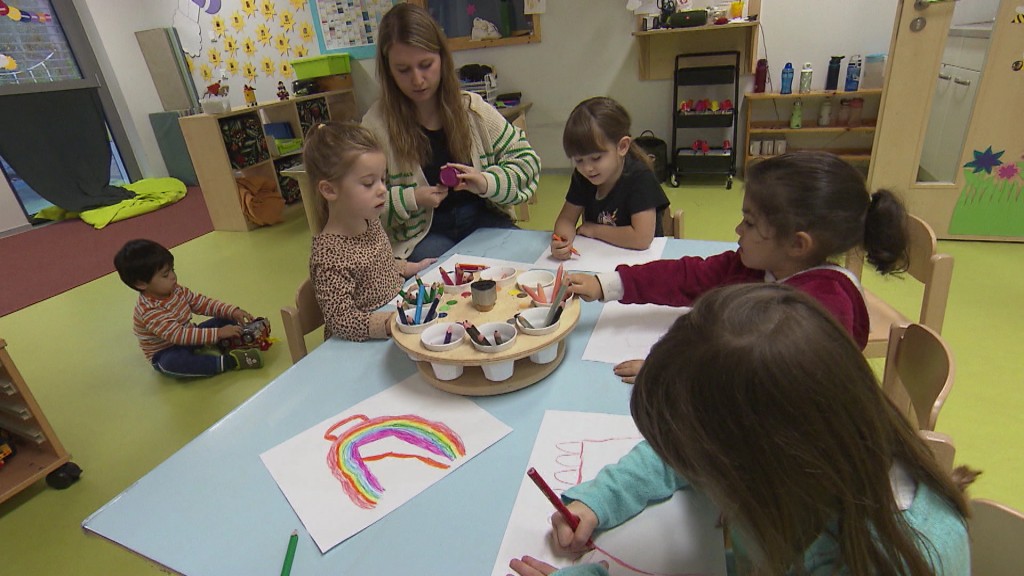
point(439, 156)
point(636, 190)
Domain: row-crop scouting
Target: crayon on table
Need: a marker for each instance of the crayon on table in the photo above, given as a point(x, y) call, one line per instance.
point(289, 556)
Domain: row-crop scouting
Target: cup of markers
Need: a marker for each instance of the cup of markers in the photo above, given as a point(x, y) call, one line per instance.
point(458, 280)
point(415, 317)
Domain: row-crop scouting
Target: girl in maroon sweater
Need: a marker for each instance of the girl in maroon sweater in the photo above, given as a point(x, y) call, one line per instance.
point(800, 210)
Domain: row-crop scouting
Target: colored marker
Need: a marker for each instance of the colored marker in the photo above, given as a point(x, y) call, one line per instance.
point(474, 333)
point(558, 238)
point(289, 556)
point(556, 304)
point(447, 279)
point(569, 517)
point(433, 310)
point(401, 315)
point(558, 280)
point(448, 335)
point(472, 267)
point(541, 297)
point(419, 304)
point(419, 281)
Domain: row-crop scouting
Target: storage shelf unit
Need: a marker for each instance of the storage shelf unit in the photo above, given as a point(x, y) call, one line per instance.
point(704, 76)
point(767, 119)
point(38, 451)
point(220, 160)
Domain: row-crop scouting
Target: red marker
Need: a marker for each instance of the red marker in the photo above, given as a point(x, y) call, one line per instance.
point(569, 517)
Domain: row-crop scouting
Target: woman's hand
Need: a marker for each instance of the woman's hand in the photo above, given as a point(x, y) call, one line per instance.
point(628, 370)
point(430, 196)
point(411, 269)
point(575, 541)
point(586, 286)
point(470, 179)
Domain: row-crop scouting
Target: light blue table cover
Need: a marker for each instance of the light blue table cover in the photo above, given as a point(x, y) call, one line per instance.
point(213, 509)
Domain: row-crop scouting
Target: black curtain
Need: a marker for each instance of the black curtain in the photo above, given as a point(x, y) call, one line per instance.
point(57, 143)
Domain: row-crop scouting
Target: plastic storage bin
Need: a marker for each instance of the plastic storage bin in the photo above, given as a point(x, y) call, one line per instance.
point(316, 66)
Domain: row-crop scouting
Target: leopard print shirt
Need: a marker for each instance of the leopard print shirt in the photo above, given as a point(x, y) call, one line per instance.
point(353, 277)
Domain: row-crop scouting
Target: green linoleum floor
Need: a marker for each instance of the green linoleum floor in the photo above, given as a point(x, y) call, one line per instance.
point(120, 419)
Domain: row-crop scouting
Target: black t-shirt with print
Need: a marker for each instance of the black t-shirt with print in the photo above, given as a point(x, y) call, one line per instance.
point(636, 190)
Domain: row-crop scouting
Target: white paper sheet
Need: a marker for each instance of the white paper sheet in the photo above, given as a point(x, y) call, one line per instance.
point(627, 331)
point(677, 536)
point(441, 428)
point(598, 256)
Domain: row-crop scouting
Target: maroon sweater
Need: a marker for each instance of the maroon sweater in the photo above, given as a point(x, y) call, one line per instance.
point(680, 282)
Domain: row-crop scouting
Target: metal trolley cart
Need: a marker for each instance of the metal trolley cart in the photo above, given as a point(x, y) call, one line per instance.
point(705, 93)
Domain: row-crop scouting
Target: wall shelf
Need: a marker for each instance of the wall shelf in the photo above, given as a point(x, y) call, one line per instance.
point(658, 48)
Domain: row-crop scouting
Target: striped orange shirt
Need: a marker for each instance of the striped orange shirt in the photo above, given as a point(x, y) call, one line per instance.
point(160, 323)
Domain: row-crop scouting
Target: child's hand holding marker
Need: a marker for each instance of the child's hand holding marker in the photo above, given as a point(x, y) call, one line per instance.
point(562, 249)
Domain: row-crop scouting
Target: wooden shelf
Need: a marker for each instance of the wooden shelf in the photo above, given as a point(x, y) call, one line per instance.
point(850, 156)
point(814, 94)
point(783, 128)
point(658, 48)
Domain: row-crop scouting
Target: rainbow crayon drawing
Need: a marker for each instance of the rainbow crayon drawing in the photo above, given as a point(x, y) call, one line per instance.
point(349, 466)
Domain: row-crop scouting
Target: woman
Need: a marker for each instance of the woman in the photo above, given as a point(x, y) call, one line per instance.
point(425, 123)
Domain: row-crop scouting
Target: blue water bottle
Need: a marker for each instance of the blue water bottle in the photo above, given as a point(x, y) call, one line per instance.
point(787, 79)
point(853, 74)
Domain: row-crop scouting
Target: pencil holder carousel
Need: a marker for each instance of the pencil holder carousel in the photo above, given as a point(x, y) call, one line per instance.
point(487, 331)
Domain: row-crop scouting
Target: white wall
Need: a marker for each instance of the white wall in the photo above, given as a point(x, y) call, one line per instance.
point(587, 50)
point(11, 215)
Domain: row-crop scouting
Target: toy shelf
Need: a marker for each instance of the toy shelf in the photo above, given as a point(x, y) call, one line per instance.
point(38, 452)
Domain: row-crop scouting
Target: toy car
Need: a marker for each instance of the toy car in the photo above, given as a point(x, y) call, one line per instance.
point(255, 334)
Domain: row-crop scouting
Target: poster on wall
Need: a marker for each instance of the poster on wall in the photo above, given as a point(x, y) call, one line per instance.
point(348, 25)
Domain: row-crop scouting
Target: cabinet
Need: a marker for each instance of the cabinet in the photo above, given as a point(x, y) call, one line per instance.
point(38, 451)
point(232, 145)
point(768, 117)
point(704, 121)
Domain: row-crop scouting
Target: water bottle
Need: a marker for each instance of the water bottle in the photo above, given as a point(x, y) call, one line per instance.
point(787, 79)
point(760, 75)
point(825, 114)
point(853, 73)
point(832, 80)
point(796, 119)
point(805, 78)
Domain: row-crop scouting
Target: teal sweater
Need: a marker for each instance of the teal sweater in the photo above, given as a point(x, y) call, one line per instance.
point(624, 489)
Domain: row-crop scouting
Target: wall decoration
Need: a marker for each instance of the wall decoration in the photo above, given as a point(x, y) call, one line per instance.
point(231, 66)
point(297, 4)
point(268, 10)
point(208, 6)
point(300, 51)
point(217, 25)
point(186, 21)
point(249, 8)
point(352, 469)
point(23, 15)
point(249, 72)
point(267, 65)
point(248, 46)
point(306, 32)
point(213, 55)
point(348, 25)
point(287, 20)
point(205, 72)
point(263, 34)
point(285, 69)
point(230, 45)
point(282, 44)
point(237, 21)
point(992, 200)
point(8, 63)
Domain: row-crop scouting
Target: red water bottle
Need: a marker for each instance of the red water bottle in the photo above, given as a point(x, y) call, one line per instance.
point(760, 75)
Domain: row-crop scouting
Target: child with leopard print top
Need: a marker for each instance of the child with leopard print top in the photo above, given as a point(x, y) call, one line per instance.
point(351, 264)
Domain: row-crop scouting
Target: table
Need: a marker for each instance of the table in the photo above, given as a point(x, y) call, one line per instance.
point(212, 507)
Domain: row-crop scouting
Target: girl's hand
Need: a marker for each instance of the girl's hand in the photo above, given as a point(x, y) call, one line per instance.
point(241, 316)
point(568, 539)
point(430, 196)
point(231, 331)
point(470, 179)
point(628, 370)
point(530, 566)
point(587, 229)
point(561, 249)
point(586, 286)
point(413, 268)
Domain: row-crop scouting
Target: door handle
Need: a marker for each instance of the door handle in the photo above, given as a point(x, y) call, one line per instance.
point(961, 81)
point(945, 77)
point(922, 4)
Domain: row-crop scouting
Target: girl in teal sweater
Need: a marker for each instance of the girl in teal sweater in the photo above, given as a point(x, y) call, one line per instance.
point(760, 399)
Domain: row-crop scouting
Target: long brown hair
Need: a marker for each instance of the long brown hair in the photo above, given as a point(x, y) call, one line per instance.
point(596, 123)
point(412, 25)
point(329, 151)
point(760, 398)
point(821, 194)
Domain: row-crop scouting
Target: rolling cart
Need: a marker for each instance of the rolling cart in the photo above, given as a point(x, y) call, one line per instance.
point(705, 93)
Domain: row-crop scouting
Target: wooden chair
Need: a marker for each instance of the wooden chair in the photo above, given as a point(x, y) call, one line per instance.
point(672, 223)
point(942, 448)
point(918, 373)
point(301, 319)
point(996, 533)
point(933, 270)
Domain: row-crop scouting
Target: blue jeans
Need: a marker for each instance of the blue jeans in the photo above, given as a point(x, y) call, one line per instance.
point(450, 227)
point(187, 362)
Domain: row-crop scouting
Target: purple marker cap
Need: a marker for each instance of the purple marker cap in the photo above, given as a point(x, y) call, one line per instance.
point(449, 177)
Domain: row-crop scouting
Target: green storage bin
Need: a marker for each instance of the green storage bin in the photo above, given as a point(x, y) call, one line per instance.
point(317, 66)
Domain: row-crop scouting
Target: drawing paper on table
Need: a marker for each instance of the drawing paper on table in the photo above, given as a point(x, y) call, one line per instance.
point(352, 469)
point(627, 331)
point(678, 536)
point(598, 256)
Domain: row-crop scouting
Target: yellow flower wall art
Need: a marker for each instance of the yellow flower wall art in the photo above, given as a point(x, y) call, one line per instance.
point(297, 4)
point(214, 56)
point(267, 9)
point(301, 51)
point(231, 65)
point(249, 71)
point(249, 47)
point(287, 20)
point(204, 71)
point(268, 66)
point(285, 69)
point(237, 21)
point(217, 25)
point(282, 44)
point(230, 45)
point(263, 34)
point(249, 8)
point(306, 32)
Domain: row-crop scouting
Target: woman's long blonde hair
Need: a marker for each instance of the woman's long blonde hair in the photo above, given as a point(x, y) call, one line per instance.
point(761, 399)
point(329, 151)
point(412, 25)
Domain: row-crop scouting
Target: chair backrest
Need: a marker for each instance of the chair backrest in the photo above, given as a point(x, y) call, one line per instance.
point(942, 448)
point(997, 532)
point(301, 319)
point(672, 223)
point(918, 373)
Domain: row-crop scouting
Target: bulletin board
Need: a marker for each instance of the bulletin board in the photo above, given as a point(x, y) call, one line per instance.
point(348, 25)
